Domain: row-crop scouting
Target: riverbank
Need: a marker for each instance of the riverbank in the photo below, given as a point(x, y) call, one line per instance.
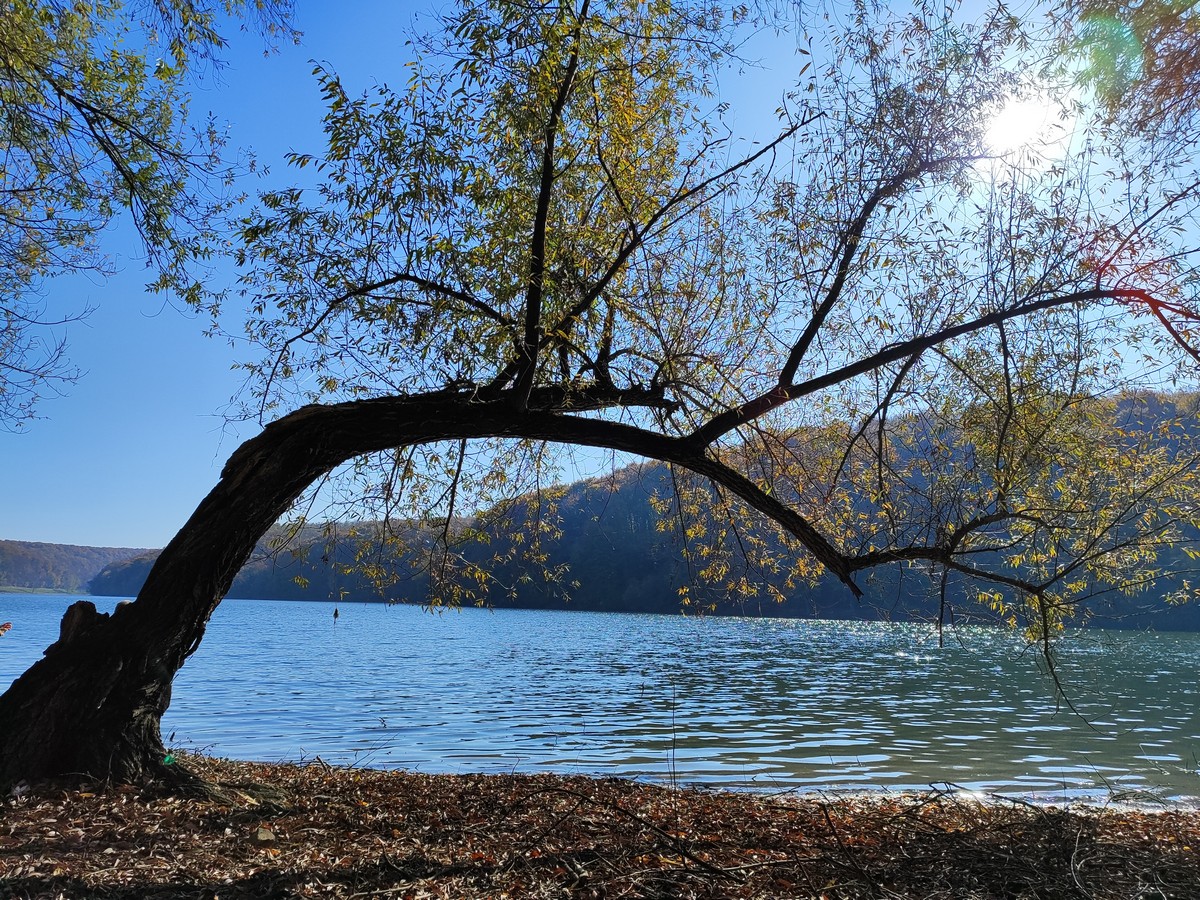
point(350, 833)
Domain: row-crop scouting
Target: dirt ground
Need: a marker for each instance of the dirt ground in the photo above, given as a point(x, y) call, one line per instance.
point(350, 833)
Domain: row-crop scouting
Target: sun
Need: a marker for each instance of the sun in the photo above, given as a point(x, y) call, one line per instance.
point(1028, 126)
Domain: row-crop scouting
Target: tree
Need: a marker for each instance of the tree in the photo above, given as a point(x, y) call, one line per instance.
point(868, 333)
point(90, 126)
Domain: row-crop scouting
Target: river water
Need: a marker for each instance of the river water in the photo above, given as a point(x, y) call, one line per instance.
point(767, 704)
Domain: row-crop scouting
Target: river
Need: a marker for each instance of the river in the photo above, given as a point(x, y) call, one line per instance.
point(766, 704)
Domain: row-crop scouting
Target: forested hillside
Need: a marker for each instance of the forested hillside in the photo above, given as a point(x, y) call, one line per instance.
point(56, 567)
point(617, 543)
point(610, 550)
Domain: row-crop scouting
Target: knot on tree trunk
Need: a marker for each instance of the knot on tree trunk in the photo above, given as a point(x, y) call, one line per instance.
point(80, 618)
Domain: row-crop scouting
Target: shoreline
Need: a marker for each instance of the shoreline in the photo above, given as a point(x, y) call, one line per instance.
point(347, 833)
point(41, 592)
point(1136, 800)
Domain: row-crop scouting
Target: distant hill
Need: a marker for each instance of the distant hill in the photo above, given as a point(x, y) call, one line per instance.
point(55, 567)
point(309, 574)
point(617, 560)
point(612, 555)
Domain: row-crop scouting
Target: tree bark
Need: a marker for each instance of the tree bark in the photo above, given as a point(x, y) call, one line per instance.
point(92, 706)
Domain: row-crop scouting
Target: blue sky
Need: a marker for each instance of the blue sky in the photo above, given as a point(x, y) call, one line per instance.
point(126, 454)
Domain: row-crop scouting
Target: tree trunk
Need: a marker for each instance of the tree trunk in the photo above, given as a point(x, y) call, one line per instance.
point(92, 706)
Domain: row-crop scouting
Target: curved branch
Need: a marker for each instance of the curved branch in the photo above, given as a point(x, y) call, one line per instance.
point(267, 473)
point(727, 421)
point(847, 249)
point(436, 287)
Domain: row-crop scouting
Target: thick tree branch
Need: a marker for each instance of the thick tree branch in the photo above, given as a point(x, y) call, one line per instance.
point(267, 473)
point(527, 350)
point(847, 249)
point(943, 557)
point(727, 421)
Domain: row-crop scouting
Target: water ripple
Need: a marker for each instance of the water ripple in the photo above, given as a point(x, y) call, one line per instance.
point(731, 703)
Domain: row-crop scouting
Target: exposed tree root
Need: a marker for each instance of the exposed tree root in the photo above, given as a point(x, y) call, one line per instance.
point(176, 777)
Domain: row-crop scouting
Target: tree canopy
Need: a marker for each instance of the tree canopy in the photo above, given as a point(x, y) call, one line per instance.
point(872, 328)
point(94, 120)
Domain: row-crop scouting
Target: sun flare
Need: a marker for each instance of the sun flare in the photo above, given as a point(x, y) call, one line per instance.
point(1027, 125)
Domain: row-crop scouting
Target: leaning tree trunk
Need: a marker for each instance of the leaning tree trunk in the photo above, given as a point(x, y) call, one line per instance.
point(92, 706)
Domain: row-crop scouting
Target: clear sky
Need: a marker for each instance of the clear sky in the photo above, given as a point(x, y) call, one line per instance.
point(126, 454)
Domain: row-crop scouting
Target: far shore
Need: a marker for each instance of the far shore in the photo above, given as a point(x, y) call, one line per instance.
point(55, 592)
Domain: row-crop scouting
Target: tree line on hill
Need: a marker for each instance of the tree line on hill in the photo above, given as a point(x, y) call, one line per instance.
point(64, 568)
point(613, 543)
point(609, 552)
